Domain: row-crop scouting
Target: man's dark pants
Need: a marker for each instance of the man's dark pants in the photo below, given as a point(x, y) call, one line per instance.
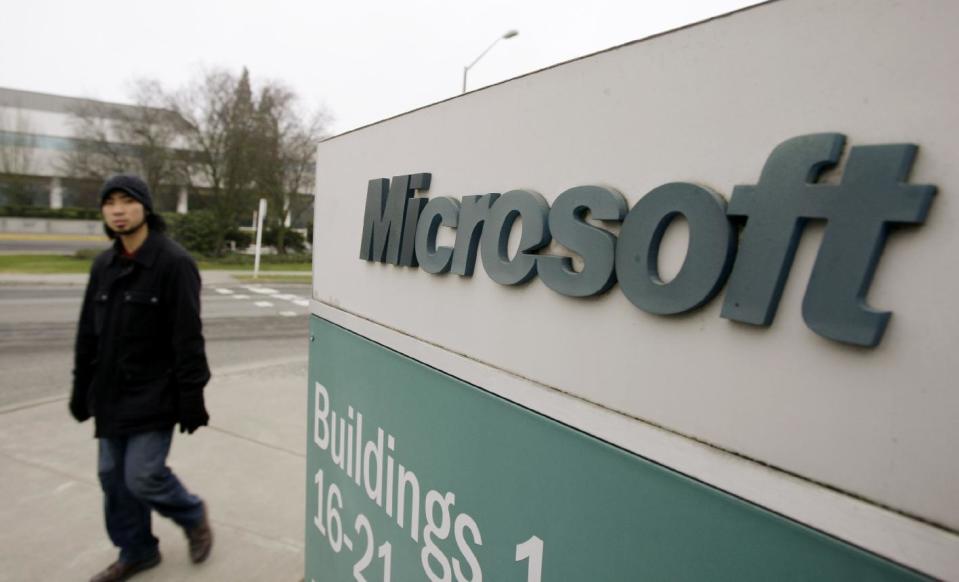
point(136, 480)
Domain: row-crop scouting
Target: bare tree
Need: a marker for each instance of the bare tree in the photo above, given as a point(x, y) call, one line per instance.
point(17, 159)
point(286, 166)
point(245, 147)
point(143, 139)
point(220, 133)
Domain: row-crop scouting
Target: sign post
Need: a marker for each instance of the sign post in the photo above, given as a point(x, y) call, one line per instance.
point(260, 216)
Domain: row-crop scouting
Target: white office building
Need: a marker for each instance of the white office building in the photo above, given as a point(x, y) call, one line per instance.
point(39, 135)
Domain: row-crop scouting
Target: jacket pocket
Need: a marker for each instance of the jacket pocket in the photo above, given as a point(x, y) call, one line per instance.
point(141, 312)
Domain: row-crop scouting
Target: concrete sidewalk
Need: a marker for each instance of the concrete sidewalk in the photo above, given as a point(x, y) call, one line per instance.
point(248, 465)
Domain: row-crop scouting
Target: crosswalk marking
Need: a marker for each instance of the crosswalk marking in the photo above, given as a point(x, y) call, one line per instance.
point(259, 294)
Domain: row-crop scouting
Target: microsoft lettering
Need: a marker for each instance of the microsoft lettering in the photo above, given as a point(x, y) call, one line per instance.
point(873, 194)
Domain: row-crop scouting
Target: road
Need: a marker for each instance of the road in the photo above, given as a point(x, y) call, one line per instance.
point(243, 325)
point(14, 244)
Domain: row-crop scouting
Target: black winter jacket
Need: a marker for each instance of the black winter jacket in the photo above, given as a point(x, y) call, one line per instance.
point(140, 362)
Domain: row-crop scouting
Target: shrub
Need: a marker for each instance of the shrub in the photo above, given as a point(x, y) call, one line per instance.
point(293, 241)
point(196, 231)
point(242, 239)
point(245, 260)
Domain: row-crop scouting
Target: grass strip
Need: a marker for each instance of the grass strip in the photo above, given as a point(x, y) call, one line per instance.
point(44, 264)
point(275, 278)
point(80, 263)
point(215, 265)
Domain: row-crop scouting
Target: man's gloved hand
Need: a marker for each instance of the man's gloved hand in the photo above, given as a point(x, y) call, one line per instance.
point(78, 408)
point(192, 413)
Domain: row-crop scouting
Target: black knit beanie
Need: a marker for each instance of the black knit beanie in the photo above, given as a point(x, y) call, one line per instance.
point(130, 184)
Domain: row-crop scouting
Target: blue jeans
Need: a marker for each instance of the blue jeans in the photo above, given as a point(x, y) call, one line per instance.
point(136, 480)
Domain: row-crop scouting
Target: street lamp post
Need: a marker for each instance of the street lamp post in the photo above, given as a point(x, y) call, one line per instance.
point(507, 35)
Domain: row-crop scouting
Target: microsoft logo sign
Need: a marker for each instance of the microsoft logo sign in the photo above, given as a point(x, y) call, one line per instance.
point(746, 245)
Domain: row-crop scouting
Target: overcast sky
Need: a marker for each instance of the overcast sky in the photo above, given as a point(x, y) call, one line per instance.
point(362, 60)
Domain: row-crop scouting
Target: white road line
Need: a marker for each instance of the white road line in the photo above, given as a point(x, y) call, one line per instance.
point(224, 291)
point(263, 304)
point(292, 298)
point(289, 313)
point(262, 290)
point(241, 296)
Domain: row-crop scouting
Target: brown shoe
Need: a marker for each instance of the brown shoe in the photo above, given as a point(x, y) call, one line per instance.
point(118, 570)
point(200, 539)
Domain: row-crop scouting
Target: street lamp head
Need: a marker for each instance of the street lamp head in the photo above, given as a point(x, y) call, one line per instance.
point(466, 69)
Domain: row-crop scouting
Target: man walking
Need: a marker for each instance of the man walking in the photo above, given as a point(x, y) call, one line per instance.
point(140, 368)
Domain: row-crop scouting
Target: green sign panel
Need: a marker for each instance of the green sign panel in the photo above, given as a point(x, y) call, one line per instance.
point(415, 475)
